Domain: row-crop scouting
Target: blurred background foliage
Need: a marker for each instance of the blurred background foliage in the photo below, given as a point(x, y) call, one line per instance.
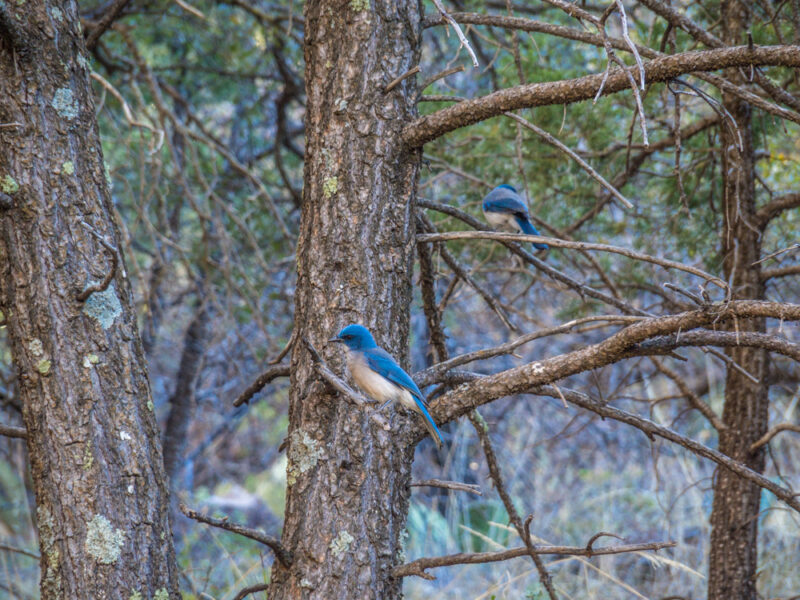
point(205, 157)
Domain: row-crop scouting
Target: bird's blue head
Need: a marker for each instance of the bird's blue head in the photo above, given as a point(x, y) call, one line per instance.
point(355, 337)
point(505, 186)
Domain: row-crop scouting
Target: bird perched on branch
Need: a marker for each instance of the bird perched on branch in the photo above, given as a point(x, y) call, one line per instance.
point(376, 372)
point(505, 210)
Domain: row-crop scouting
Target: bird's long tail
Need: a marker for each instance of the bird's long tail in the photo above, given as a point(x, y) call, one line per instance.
point(430, 425)
point(527, 227)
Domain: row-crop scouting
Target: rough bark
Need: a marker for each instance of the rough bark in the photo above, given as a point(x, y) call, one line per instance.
point(101, 495)
point(348, 491)
point(182, 401)
point(734, 517)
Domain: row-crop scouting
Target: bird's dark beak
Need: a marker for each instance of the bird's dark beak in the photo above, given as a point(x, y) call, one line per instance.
point(336, 340)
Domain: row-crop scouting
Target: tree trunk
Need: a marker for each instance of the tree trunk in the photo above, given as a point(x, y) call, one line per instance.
point(348, 492)
point(734, 517)
point(102, 506)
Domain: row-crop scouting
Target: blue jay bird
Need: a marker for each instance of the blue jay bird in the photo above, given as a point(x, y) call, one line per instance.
point(376, 372)
point(505, 210)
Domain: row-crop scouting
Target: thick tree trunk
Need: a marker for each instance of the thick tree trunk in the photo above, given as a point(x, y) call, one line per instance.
point(734, 517)
point(102, 506)
point(348, 480)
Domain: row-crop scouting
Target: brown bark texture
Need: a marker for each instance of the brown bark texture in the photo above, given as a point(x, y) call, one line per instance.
point(101, 494)
point(348, 479)
point(733, 558)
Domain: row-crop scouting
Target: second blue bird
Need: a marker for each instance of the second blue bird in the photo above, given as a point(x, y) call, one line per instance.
point(505, 210)
point(377, 373)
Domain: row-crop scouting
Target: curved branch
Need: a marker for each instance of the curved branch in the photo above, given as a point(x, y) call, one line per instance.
point(14, 432)
point(281, 553)
point(774, 208)
point(430, 127)
point(618, 346)
point(780, 272)
point(773, 431)
point(267, 376)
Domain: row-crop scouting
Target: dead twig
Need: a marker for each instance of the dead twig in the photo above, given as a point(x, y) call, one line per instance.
point(103, 285)
point(266, 377)
point(449, 485)
point(281, 553)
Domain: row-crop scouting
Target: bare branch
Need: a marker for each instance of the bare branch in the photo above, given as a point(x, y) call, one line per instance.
point(775, 207)
point(486, 235)
point(461, 37)
point(773, 431)
point(245, 592)
point(266, 377)
point(398, 80)
point(281, 553)
point(14, 432)
point(767, 274)
point(613, 349)
point(419, 566)
point(553, 141)
point(430, 127)
point(109, 276)
point(449, 485)
point(104, 23)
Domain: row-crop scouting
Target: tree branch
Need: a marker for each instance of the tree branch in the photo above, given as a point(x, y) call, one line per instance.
point(449, 485)
point(281, 553)
point(13, 432)
point(616, 347)
point(266, 377)
point(773, 431)
point(430, 127)
point(774, 208)
point(556, 243)
point(419, 566)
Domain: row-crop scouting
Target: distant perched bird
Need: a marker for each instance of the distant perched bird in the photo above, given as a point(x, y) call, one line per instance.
point(505, 210)
point(376, 372)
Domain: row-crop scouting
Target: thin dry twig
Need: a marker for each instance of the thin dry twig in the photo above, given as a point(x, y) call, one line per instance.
point(398, 80)
point(553, 141)
point(773, 431)
point(281, 553)
point(449, 485)
point(109, 276)
point(461, 37)
point(243, 593)
point(13, 432)
point(556, 243)
point(418, 567)
point(258, 384)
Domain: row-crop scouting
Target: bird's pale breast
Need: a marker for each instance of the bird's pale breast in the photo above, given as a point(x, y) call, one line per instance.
point(376, 386)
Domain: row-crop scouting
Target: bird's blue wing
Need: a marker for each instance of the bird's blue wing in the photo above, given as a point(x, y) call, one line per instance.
point(384, 365)
point(504, 200)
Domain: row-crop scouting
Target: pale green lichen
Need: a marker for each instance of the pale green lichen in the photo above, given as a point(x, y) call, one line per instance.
point(103, 542)
point(136, 595)
point(161, 594)
point(341, 543)
point(65, 104)
point(330, 186)
point(43, 366)
point(51, 578)
point(8, 185)
point(35, 346)
point(90, 360)
point(359, 5)
point(150, 406)
point(305, 583)
point(56, 13)
point(107, 173)
point(103, 306)
point(304, 453)
point(88, 456)
point(68, 168)
point(83, 62)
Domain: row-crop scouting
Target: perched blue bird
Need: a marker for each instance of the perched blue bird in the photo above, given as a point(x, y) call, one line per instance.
point(505, 210)
point(376, 372)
